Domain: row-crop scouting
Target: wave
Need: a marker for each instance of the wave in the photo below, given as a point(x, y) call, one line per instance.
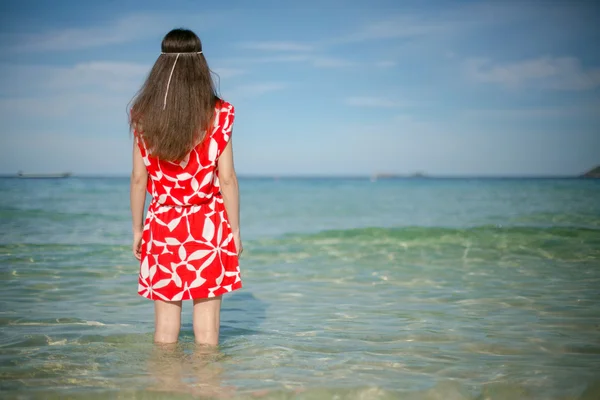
point(14, 213)
point(485, 242)
point(447, 243)
point(55, 322)
point(417, 234)
point(420, 231)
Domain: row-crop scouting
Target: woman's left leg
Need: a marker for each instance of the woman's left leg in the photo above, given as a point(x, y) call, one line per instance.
point(207, 320)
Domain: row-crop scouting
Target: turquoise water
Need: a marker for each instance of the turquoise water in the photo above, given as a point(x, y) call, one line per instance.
point(413, 289)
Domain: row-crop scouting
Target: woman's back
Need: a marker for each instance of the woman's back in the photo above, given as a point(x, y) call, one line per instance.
point(195, 179)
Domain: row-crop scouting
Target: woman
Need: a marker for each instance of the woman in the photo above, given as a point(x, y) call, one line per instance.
point(189, 243)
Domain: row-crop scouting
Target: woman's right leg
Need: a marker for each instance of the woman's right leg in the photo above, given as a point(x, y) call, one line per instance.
point(167, 321)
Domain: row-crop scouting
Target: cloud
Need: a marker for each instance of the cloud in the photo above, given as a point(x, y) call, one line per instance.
point(60, 106)
point(122, 30)
point(255, 89)
point(102, 76)
point(97, 89)
point(444, 147)
point(399, 27)
point(562, 73)
point(316, 60)
point(439, 21)
point(377, 102)
point(277, 46)
point(281, 58)
point(127, 29)
point(58, 91)
point(572, 111)
point(111, 75)
point(431, 27)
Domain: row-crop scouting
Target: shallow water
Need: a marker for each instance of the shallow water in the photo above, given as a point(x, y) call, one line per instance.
point(413, 289)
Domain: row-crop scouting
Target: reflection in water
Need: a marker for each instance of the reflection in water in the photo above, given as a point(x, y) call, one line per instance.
point(189, 369)
point(198, 373)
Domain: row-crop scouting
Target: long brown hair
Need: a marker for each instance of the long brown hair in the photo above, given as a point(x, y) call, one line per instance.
point(170, 126)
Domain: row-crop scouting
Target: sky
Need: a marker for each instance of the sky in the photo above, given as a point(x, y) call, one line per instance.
point(326, 88)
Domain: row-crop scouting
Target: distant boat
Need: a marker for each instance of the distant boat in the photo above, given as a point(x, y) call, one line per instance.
point(43, 176)
point(378, 176)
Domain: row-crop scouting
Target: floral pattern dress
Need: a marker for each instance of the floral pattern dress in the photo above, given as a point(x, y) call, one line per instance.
point(188, 251)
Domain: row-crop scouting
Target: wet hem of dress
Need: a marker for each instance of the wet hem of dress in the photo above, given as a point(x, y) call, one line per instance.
point(233, 289)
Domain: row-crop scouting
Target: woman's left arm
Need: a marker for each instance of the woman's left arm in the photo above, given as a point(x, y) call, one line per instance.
point(137, 198)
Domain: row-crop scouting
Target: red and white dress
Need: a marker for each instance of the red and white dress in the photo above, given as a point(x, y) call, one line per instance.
point(188, 250)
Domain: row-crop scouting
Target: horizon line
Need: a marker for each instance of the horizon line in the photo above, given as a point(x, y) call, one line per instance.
point(373, 177)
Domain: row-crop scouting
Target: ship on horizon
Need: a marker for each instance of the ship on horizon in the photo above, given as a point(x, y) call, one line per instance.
point(377, 176)
point(22, 174)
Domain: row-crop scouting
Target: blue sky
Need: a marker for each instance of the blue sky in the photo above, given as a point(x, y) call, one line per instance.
point(320, 87)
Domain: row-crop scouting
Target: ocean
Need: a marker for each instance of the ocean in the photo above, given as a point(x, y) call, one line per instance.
point(418, 288)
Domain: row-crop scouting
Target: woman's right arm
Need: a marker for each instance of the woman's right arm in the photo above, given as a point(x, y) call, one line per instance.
point(137, 197)
point(230, 191)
